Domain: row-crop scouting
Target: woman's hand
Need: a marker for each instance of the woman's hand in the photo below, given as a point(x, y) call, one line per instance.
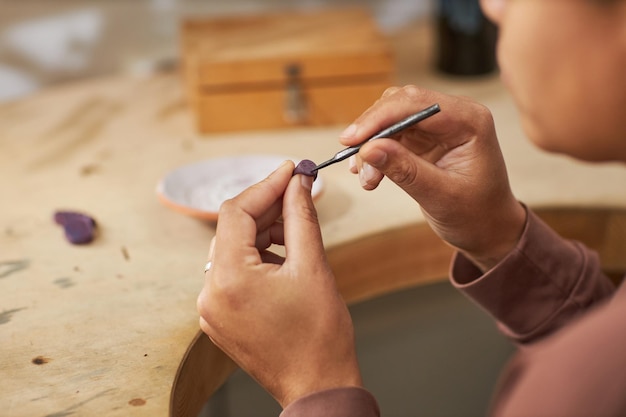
point(280, 319)
point(450, 164)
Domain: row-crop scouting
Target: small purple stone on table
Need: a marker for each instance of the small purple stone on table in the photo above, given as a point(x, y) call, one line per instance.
point(306, 167)
point(79, 228)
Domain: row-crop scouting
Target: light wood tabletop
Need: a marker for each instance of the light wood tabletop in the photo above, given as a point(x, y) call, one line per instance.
point(110, 328)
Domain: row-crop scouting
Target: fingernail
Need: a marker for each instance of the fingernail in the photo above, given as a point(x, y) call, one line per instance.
point(281, 166)
point(366, 174)
point(349, 132)
point(306, 181)
point(352, 163)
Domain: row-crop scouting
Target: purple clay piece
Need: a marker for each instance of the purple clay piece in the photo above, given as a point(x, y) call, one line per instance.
point(79, 232)
point(79, 228)
point(65, 217)
point(306, 167)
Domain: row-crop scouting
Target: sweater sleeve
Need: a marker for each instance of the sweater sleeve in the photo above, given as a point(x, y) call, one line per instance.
point(575, 372)
point(337, 402)
point(550, 295)
point(539, 287)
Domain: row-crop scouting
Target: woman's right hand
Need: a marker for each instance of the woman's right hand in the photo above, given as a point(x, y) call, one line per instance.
point(450, 164)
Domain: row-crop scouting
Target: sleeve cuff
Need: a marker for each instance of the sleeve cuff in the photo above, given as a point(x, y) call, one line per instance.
point(336, 402)
point(537, 287)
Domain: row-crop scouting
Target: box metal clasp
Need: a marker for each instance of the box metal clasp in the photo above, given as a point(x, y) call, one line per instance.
point(296, 110)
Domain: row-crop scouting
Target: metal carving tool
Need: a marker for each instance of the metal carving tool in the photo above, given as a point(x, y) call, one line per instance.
point(385, 133)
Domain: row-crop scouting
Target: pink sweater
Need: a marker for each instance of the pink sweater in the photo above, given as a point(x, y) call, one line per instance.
point(550, 297)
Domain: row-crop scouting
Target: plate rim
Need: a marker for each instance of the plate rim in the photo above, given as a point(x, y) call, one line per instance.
point(213, 215)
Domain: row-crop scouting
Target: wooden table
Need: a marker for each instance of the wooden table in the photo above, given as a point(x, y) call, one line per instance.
point(110, 328)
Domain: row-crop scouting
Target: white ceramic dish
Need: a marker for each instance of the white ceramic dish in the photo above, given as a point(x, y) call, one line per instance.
point(199, 189)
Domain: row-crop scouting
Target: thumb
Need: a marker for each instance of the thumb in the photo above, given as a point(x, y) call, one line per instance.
point(303, 237)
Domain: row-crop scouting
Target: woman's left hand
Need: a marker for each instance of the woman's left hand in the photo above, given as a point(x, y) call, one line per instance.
point(281, 320)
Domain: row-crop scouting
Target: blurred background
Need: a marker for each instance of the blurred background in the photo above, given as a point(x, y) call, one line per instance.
point(43, 42)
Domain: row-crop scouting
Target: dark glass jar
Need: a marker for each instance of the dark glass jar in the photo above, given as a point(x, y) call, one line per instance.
point(466, 38)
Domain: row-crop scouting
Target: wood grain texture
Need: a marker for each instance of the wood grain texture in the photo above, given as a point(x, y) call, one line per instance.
point(256, 48)
point(235, 66)
point(111, 328)
point(265, 108)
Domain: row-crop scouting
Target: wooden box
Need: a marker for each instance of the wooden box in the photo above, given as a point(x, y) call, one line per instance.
point(284, 69)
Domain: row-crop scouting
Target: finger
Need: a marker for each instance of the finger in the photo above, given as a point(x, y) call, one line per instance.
point(346, 137)
point(413, 174)
point(271, 236)
point(369, 177)
point(390, 91)
point(303, 237)
point(352, 164)
point(237, 225)
point(396, 104)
